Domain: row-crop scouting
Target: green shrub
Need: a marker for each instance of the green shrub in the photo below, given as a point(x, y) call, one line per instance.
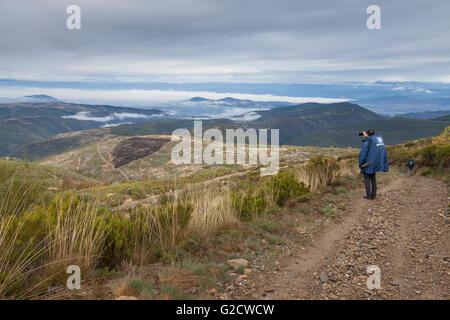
point(328, 212)
point(121, 236)
point(142, 286)
point(436, 155)
point(409, 144)
point(279, 189)
point(170, 215)
point(431, 152)
point(164, 198)
point(137, 192)
point(142, 234)
point(174, 292)
point(285, 187)
point(429, 155)
point(444, 155)
point(106, 272)
point(248, 204)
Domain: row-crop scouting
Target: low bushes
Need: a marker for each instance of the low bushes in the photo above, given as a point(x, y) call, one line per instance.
point(38, 245)
point(433, 152)
point(277, 190)
point(57, 236)
point(249, 203)
point(436, 156)
point(137, 192)
point(38, 241)
point(284, 187)
point(320, 171)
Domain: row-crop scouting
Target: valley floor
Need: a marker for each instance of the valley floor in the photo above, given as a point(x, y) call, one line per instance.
point(405, 232)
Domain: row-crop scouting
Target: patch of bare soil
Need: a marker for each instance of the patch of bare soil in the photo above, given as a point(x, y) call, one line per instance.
point(405, 232)
point(135, 148)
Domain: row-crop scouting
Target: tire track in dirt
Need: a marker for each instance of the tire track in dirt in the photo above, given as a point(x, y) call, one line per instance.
point(422, 272)
point(302, 267)
point(405, 232)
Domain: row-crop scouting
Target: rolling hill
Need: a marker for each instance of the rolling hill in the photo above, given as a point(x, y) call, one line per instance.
point(23, 123)
point(309, 124)
point(425, 115)
point(393, 130)
point(296, 121)
point(443, 118)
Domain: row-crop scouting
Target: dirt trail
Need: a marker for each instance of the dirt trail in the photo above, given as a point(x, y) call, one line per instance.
point(405, 232)
point(109, 164)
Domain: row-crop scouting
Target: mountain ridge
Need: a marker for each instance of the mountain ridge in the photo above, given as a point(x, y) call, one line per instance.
point(302, 125)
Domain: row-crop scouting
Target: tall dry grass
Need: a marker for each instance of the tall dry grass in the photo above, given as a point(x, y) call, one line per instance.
point(212, 209)
point(15, 265)
point(38, 243)
point(321, 171)
point(74, 235)
point(18, 256)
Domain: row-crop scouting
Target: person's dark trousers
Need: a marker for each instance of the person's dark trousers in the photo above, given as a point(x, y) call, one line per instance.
point(371, 180)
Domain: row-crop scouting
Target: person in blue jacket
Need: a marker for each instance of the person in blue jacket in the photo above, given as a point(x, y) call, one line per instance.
point(372, 159)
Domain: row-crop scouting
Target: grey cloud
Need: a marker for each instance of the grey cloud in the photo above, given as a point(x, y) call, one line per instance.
point(207, 40)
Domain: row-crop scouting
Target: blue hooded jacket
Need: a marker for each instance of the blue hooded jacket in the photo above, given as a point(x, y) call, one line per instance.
point(374, 151)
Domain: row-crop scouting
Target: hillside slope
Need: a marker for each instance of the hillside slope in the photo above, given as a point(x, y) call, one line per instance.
point(60, 143)
point(424, 115)
point(312, 124)
point(98, 156)
point(393, 130)
point(305, 232)
point(298, 120)
point(23, 123)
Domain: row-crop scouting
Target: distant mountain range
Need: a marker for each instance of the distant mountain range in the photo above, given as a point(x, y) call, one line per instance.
point(380, 96)
point(314, 124)
point(397, 104)
point(40, 117)
point(425, 114)
point(37, 98)
point(295, 121)
point(393, 130)
point(225, 108)
point(25, 122)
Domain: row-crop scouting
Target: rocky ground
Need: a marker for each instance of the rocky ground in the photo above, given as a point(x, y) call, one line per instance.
point(404, 232)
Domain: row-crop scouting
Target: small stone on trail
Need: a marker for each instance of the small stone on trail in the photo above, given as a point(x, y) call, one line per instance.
point(323, 277)
point(236, 263)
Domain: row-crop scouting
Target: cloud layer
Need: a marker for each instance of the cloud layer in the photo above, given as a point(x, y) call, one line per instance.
point(137, 97)
point(259, 41)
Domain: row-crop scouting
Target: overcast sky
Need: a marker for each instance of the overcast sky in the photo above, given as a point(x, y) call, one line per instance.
point(257, 41)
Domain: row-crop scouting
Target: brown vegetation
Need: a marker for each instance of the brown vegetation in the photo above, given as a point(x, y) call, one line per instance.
point(135, 148)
